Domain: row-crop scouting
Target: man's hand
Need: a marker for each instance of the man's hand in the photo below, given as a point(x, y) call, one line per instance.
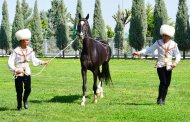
point(45, 62)
point(174, 64)
point(19, 70)
point(136, 53)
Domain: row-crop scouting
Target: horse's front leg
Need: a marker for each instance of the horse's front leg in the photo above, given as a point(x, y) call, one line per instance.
point(100, 88)
point(84, 78)
point(95, 73)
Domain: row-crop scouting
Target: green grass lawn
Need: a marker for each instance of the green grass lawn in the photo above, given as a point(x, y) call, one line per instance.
point(57, 93)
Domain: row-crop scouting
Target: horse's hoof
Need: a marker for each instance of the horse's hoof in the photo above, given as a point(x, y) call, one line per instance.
point(82, 104)
point(98, 94)
point(95, 101)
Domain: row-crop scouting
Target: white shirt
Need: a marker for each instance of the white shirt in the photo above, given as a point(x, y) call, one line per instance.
point(16, 59)
point(162, 59)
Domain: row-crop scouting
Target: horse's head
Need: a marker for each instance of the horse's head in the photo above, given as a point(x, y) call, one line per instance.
point(83, 27)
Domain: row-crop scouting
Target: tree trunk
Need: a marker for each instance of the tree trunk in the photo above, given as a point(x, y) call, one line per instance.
point(183, 54)
point(118, 53)
point(63, 54)
point(75, 54)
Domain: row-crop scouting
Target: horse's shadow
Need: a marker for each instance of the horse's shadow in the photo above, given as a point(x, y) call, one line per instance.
point(60, 99)
point(65, 99)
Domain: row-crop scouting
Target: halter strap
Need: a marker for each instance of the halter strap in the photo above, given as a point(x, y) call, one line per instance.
point(24, 54)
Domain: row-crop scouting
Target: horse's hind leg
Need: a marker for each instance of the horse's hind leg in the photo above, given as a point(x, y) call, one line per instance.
point(100, 88)
point(95, 73)
point(84, 78)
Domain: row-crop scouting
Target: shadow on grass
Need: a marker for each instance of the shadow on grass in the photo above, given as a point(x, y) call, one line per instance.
point(65, 99)
point(138, 104)
point(61, 99)
point(7, 109)
point(36, 101)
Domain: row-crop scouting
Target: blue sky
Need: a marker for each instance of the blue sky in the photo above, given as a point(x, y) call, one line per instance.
point(109, 7)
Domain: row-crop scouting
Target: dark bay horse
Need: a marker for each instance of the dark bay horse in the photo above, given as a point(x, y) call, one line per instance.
point(94, 55)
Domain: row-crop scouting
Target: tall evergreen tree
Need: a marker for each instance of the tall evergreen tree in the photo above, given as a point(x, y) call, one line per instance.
point(181, 35)
point(76, 44)
point(138, 25)
point(52, 18)
point(26, 11)
point(5, 32)
point(37, 38)
point(119, 32)
point(18, 24)
point(62, 35)
point(160, 18)
point(44, 21)
point(150, 20)
point(98, 30)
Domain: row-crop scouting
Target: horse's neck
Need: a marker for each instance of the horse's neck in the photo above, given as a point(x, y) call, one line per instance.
point(87, 44)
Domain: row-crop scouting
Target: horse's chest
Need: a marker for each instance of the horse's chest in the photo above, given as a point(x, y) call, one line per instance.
point(86, 61)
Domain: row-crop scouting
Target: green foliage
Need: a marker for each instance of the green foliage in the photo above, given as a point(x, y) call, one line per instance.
point(138, 25)
point(18, 24)
point(119, 32)
point(37, 38)
point(44, 21)
point(56, 94)
point(150, 20)
point(76, 45)
point(52, 18)
point(160, 18)
point(26, 12)
point(5, 31)
point(98, 30)
point(62, 35)
point(110, 33)
point(182, 25)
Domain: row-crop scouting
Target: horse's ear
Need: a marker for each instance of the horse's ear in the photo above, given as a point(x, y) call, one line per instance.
point(87, 17)
point(80, 16)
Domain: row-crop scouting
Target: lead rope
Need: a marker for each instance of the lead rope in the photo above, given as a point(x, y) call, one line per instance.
point(14, 77)
point(54, 58)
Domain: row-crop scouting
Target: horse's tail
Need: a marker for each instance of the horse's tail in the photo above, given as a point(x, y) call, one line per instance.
point(106, 73)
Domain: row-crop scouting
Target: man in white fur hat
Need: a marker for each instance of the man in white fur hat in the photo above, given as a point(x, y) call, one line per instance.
point(167, 48)
point(19, 63)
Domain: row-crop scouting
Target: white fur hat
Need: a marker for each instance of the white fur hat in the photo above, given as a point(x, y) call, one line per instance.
point(167, 30)
point(23, 34)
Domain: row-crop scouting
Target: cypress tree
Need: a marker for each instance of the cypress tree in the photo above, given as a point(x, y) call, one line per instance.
point(26, 11)
point(150, 20)
point(37, 38)
point(119, 32)
point(18, 24)
point(62, 35)
point(52, 19)
point(98, 30)
point(76, 44)
point(5, 32)
point(138, 25)
point(44, 21)
point(160, 18)
point(181, 35)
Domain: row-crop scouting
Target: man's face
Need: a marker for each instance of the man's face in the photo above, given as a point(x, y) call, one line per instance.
point(25, 42)
point(165, 37)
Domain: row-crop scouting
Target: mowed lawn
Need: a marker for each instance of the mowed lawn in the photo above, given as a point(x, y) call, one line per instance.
point(57, 93)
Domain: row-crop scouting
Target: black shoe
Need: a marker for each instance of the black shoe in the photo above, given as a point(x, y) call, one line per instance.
point(163, 102)
point(26, 104)
point(159, 101)
point(19, 108)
